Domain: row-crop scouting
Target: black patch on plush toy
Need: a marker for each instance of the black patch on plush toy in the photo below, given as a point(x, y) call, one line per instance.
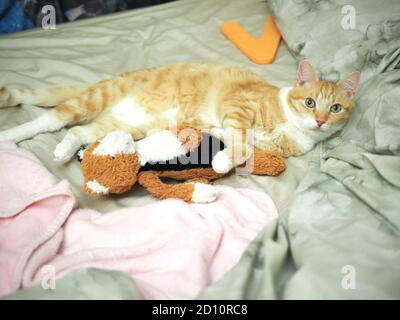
point(200, 157)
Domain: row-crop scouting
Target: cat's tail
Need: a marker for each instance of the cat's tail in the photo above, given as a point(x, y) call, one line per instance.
point(44, 97)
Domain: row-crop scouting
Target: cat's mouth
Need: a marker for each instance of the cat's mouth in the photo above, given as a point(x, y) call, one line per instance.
point(312, 125)
point(317, 129)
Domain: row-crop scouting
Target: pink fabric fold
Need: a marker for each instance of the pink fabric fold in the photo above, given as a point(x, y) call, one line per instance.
point(170, 248)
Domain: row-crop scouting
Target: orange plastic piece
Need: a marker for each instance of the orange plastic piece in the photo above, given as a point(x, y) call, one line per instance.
point(261, 50)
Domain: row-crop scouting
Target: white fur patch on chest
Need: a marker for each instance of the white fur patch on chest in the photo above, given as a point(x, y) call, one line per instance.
point(130, 112)
point(303, 140)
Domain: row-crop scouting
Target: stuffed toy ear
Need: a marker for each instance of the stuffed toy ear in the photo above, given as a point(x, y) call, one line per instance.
point(189, 137)
point(305, 73)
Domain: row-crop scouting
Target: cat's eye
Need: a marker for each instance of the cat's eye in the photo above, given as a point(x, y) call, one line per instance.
point(310, 103)
point(336, 108)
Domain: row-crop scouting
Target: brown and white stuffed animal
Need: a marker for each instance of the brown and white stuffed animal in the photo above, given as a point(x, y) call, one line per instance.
point(115, 163)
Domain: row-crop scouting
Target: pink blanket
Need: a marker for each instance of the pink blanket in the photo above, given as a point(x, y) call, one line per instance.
point(171, 249)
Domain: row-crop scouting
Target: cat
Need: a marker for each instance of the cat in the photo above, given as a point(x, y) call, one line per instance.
point(289, 120)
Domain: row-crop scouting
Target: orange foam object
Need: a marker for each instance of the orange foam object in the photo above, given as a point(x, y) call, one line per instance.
point(259, 50)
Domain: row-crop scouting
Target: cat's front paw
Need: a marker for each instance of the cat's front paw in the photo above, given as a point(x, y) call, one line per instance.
point(221, 162)
point(63, 152)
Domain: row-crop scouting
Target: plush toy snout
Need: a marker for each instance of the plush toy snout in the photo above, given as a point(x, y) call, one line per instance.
point(109, 174)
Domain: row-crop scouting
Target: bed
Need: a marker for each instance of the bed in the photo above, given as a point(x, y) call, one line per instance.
point(332, 219)
point(95, 49)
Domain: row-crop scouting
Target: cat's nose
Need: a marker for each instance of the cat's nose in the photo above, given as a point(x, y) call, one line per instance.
point(320, 122)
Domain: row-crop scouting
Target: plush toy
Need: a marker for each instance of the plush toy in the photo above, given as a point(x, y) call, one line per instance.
point(261, 50)
point(115, 163)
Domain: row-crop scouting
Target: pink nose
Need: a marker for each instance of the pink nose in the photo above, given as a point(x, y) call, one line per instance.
point(320, 122)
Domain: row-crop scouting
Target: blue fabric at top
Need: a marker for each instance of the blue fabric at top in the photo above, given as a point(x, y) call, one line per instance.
point(12, 17)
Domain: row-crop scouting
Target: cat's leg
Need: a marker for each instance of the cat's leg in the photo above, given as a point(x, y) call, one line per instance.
point(73, 111)
point(236, 138)
point(45, 97)
point(269, 145)
point(280, 144)
point(86, 134)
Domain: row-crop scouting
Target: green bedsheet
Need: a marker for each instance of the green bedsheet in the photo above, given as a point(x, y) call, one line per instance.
point(340, 239)
point(339, 233)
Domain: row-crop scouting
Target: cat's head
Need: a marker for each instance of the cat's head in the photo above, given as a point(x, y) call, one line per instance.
point(321, 107)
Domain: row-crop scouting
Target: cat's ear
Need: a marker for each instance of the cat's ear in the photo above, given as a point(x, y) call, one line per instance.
point(350, 84)
point(305, 73)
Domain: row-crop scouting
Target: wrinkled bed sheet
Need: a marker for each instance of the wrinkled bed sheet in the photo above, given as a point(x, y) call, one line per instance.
point(339, 233)
point(98, 48)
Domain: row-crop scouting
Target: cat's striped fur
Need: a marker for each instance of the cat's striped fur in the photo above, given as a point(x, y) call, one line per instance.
point(202, 95)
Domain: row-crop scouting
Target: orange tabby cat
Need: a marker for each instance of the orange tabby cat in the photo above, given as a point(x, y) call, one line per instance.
point(288, 120)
